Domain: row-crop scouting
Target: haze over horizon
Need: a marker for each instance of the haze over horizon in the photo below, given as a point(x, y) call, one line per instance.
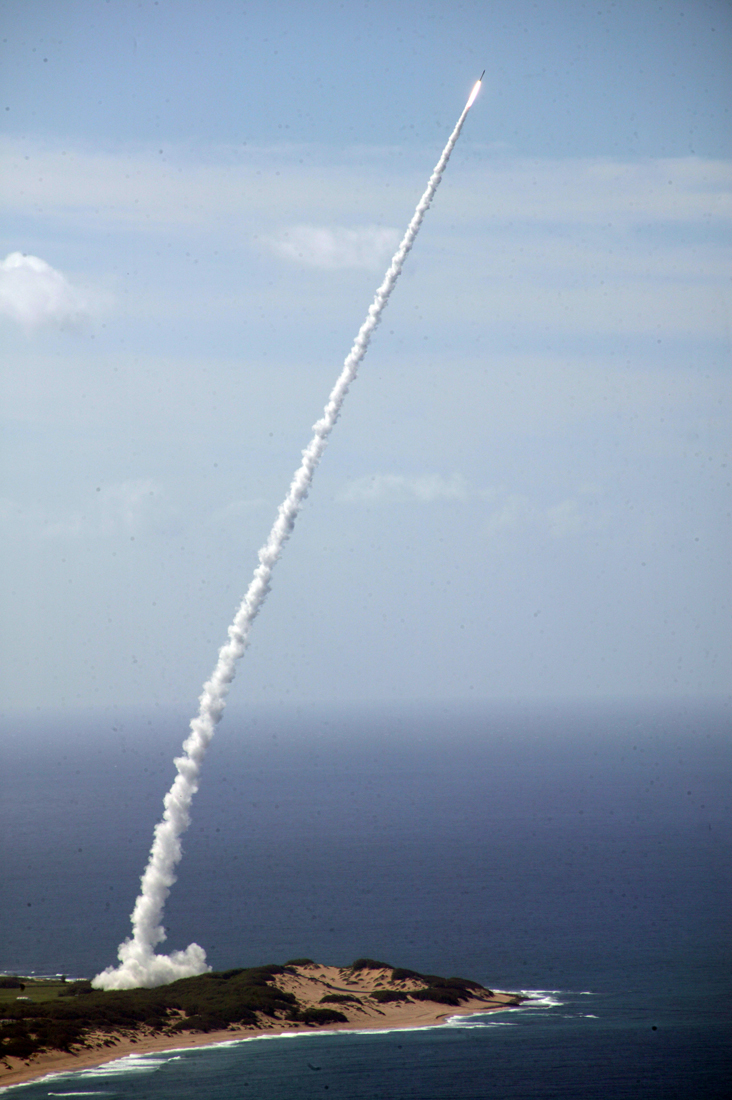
point(527, 494)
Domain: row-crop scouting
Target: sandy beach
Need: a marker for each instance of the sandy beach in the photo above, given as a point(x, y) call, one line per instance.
point(309, 983)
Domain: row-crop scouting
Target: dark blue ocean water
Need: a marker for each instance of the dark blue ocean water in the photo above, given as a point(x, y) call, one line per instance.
point(579, 852)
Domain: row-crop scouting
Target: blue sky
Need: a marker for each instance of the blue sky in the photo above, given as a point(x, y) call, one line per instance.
point(528, 491)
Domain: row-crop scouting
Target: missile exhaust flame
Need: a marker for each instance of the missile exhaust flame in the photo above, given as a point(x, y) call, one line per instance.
point(473, 95)
point(140, 965)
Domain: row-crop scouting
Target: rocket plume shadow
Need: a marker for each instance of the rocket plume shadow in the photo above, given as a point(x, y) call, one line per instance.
point(139, 964)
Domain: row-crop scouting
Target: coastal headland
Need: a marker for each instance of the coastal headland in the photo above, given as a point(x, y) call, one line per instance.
point(56, 1026)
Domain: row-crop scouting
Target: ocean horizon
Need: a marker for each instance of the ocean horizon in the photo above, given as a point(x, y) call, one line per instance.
point(578, 851)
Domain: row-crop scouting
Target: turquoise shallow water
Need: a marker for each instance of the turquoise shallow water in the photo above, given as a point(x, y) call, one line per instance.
point(580, 853)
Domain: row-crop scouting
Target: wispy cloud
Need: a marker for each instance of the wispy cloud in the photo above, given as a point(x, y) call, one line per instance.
point(336, 247)
point(513, 513)
point(587, 246)
point(238, 510)
point(577, 515)
point(501, 513)
point(397, 487)
point(33, 293)
point(122, 508)
point(590, 190)
point(195, 186)
point(128, 505)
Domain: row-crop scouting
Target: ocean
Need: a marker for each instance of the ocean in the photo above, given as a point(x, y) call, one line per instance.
point(578, 852)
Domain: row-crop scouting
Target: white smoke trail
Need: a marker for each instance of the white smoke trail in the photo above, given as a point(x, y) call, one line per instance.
point(139, 964)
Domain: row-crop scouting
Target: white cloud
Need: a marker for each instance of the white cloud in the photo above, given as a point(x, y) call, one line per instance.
point(33, 293)
point(585, 246)
point(565, 519)
point(336, 247)
point(575, 517)
point(237, 509)
point(514, 512)
point(127, 505)
point(595, 190)
point(196, 187)
point(508, 513)
point(396, 487)
point(122, 508)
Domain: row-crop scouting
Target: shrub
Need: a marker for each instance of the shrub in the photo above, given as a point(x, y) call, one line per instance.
point(369, 964)
point(75, 989)
point(8, 981)
point(400, 974)
point(202, 1022)
point(22, 1047)
point(317, 1016)
point(465, 983)
point(439, 995)
point(385, 995)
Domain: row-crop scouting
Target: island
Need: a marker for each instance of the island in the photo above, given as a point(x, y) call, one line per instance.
point(56, 1025)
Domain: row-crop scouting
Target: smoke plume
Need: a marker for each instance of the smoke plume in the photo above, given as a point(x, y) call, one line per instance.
point(139, 963)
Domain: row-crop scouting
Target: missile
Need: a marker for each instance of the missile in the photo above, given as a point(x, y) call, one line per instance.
point(476, 89)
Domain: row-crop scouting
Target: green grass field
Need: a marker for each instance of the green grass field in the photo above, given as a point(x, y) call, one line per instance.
point(36, 989)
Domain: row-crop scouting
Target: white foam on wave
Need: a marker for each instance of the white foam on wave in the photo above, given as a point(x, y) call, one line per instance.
point(265, 1036)
point(348, 1031)
point(479, 1020)
point(47, 1077)
point(56, 1077)
point(464, 1021)
point(131, 1063)
point(541, 998)
point(556, 998)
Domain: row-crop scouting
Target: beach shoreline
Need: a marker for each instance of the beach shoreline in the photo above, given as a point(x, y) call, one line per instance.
point(365, 1014)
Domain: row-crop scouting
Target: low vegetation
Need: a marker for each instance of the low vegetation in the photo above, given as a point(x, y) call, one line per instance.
point(369, 964)
point(210, 1002)
point(313, 1015)
point(384, 996)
